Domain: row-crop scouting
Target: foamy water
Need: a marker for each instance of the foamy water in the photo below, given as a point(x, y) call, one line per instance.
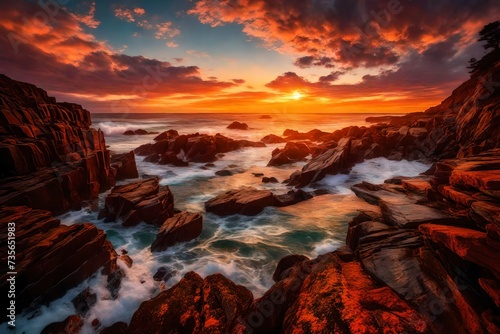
point(245, 249)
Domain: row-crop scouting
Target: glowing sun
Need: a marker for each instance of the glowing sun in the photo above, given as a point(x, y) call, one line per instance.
point(296, 95)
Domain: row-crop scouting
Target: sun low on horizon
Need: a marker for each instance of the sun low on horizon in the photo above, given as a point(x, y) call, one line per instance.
point(237, 56)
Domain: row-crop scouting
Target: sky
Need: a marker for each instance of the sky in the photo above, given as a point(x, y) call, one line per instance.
point(261, 56)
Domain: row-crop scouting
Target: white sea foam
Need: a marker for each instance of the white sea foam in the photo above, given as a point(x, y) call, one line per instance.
point(375, 171)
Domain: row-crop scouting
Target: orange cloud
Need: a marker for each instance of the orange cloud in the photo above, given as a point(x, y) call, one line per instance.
point(350, 33)
point(61, 57)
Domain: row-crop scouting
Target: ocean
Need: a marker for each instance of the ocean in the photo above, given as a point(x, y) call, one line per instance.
point(244, 249)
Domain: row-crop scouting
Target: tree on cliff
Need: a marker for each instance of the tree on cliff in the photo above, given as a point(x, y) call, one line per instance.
point(491, 35)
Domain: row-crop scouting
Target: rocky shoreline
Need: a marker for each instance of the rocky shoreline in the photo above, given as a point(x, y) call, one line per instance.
point(425, 261)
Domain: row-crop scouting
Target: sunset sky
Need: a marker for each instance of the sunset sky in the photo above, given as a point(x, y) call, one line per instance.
point(261, 56)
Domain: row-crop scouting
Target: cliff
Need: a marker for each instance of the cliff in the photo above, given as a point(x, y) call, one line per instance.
point(51, 158)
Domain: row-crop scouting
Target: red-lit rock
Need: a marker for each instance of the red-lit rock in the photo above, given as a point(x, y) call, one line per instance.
point(51, 158)
point(193, 305)
point(71, 325)
point(52, 258)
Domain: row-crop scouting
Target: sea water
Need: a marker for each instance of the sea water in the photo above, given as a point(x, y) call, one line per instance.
point(244, 249)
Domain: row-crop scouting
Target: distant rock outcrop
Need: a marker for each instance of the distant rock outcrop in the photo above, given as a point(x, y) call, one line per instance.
point(238, 126)
point(178, 150)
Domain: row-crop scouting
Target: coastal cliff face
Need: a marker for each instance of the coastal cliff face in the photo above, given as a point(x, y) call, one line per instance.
point(51, 162)
point(51, 158)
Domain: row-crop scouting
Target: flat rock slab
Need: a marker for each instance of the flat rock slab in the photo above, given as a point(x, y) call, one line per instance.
point(374, 194)
point(485, 212)
point(247, 201)
point(184, 226)
point(408, 215)
point(469, 244)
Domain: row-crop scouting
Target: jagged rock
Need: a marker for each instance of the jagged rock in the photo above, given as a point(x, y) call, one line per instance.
point(51, 158)
point(71, 325)
point(238, 126)
point(411, 215)
point(313, 135)
point(114, 282)
point(125, 166)
point(224, 172)
point(52, 258)
point(167, 135)
point(138, 201)
point(355, 304)
point(183, 226)
point(163, 274)
point(484, 213)
point(138, 132)
point(193, 147)
point(333, 161)
point(292, 152)
point(193, 305)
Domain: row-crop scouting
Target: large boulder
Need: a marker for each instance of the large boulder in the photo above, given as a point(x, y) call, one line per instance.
point(142, 200)
point(183, 226)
